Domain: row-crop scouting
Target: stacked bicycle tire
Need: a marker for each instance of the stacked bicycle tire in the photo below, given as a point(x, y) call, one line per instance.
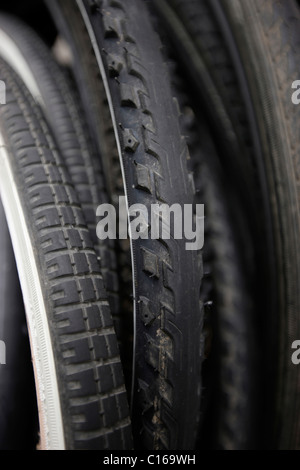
point(149, 342)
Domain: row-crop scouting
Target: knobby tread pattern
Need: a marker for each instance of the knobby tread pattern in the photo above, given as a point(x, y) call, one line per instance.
point(69, 130)
point(168, 360)
point(91, 90)
point(92, 93)
point(92, 392)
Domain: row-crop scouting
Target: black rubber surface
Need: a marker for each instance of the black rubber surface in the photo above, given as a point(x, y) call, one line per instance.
point(90, 379)
point(66, 119)
point(97, 114)
point(245, 57)
point(33, 13)
point(230, 408)
point(167, 277)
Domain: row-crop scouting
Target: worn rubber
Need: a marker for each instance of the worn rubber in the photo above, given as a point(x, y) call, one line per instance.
point(89, 374)
point(166, 276)
point(87, 76)
point(274, 34)
point(246, 54)
point(229, 409)
point(56, 94)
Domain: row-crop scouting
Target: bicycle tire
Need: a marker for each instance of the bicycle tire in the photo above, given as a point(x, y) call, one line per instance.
point(94, 102)
point(230, 408)
point(51, 88)
point(255, 62)
point(146, 122)
point(81, 395)
point(230, 416)
point(276, 25)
